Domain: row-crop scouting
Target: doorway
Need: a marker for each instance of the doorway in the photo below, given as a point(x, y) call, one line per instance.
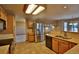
point(20, 31)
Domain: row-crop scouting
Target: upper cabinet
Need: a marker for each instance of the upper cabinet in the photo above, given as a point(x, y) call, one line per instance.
point(3, 14)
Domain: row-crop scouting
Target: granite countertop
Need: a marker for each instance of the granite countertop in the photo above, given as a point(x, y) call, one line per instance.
point(6, 36)
point(69, 39)
point(75, 49)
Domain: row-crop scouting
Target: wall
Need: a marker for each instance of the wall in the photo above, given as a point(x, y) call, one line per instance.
point(21, 30)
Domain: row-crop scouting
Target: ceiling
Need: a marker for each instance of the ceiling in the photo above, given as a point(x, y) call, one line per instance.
point(14, 8)
point(52, 12)
point(59, 12)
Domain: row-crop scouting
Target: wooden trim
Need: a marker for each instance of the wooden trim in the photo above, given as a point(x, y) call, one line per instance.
point(25, 7)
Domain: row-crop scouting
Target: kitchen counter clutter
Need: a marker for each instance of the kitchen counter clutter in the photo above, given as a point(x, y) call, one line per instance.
point(7, 39)
point(62, 45)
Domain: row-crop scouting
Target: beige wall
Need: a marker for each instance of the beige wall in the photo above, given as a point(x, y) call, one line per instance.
point(20, 29)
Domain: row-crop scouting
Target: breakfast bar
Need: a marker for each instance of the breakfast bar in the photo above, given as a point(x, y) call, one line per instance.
point(7, 39)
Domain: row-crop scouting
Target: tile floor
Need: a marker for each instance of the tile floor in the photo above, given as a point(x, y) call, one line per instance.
point(32, 48)
point(28, 48)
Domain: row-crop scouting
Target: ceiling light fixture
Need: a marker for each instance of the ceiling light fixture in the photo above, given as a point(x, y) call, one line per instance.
point(38, 10)
point(30, 8)
point(65, 7)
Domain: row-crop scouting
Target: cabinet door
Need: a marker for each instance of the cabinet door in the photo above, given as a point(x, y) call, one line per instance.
point(30, 32)
point(71, 44)
point(31, 38)
point(55, 45)
point(63, 46)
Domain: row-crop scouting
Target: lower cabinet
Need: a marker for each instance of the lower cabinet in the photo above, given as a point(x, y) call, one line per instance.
point(31, 38)
point(63, 46)
point(55, 45)
point(58, 45)
point(71, 45)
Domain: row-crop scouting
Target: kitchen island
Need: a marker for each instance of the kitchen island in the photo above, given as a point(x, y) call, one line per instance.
point(62, 45)
point(7, 39)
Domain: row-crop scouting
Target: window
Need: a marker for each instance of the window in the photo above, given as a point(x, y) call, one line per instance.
point(71, 27)
point(65, 26)
point(75, 27)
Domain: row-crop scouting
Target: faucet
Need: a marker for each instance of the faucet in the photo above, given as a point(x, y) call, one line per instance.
point(65, 34)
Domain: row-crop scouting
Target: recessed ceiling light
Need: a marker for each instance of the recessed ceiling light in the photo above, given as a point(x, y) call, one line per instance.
point(65, 6)
point(30, 8)
point(38, 10)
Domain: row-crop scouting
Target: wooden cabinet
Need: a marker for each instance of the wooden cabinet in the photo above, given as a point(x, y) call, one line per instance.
point(71, 45)
point(9, 21)
point(55, 44)
point(10, 24)
point(63, 46)
point(31, 38)
point(58, 45)
point(31, 32)
point(3, 13)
